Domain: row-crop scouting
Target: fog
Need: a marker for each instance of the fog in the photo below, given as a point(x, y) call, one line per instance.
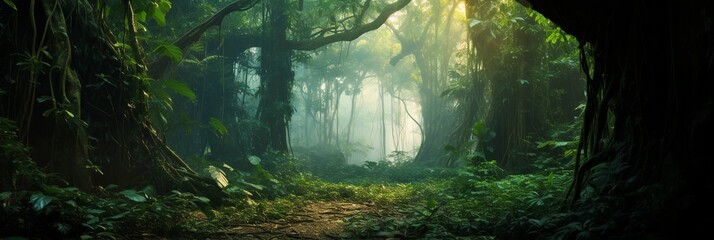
point(400, 132)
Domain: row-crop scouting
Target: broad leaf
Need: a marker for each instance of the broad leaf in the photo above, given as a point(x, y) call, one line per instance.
point(479, 129)
point(40, 201)
point(160, 10)
point(5, 195)
point(180, 88)
point(256, 186)
point(133, 195)
point(218, 126)
point(169, 50)
point(218, 175)
point(254, 160)
point(473, 22)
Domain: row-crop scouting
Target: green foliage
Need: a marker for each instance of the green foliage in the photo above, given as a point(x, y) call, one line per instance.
point(217, 126)
point(180, 88)
point(169, 50)
point(465, 207)
point(68, 212)
point(10, 4)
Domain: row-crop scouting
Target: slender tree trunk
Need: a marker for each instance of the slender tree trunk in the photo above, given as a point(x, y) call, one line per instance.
point(383, 126)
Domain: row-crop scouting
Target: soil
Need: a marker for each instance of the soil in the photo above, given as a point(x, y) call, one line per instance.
point(319, 220)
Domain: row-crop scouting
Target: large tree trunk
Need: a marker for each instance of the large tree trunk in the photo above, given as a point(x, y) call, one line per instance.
point(112, 111)
point(649, 111)
point(277, 77)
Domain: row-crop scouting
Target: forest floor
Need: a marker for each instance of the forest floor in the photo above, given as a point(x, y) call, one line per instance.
point(317, 220)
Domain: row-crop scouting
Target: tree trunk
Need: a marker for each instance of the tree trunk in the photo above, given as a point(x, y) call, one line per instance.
point(111, 111)
point(276, 75)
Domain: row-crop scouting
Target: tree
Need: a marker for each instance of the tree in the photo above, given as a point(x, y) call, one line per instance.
point(645, 136)
point(433, 50)
point(515, 54)
point(79, 96)
point(277, 78)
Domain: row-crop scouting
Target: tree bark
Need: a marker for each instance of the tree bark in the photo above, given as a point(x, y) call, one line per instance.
point(277, 77)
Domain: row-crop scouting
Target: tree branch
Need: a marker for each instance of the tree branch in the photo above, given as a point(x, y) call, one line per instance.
point(159, 67)
point(195, 34)
point(351, 34)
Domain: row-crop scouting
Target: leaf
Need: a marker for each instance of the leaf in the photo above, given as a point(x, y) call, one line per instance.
point(431, 204)
point(11, 4)
point(118, 216)
point(256, 186)
point(473, 22)
point(95, 211)
point(218, 175)
point(122, 45)
point(133, 195)
point(140, 16)
point(40, 201)
point(204, 199)
point(43, 99)
point(159, 12)
point(478, 129)
point(169, 50)
point(62, 227)
point(5, 195)
point(226, 166)
point(254, 160)
point(150, 191)
point(180, 88)
point(218, 126)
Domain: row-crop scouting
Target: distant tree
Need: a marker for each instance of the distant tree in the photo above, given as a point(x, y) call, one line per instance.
point(429, 34)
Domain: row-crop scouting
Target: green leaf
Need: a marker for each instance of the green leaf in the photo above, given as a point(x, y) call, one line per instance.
point(11, 4)
point(70, 114)
point(256, 186)
point(5, 195)
point(62, 227)
point(169, 50)
point(95, 211)
point(478, 129)
point(218, 175)
point(119, 216)
point(180, 88)
point(474, 22)
point(140, 16)
point(254, 160)
point(431, 204)
point(159, 12)
point(218, 126)
point(133, 195)
point(150, 191)
point(43, 99)
point(203, 199)
point(40, 201)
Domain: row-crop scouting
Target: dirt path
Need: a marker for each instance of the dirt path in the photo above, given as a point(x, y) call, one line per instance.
point(319, 220)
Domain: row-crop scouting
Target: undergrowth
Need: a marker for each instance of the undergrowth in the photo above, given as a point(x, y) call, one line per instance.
point(474, 201)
